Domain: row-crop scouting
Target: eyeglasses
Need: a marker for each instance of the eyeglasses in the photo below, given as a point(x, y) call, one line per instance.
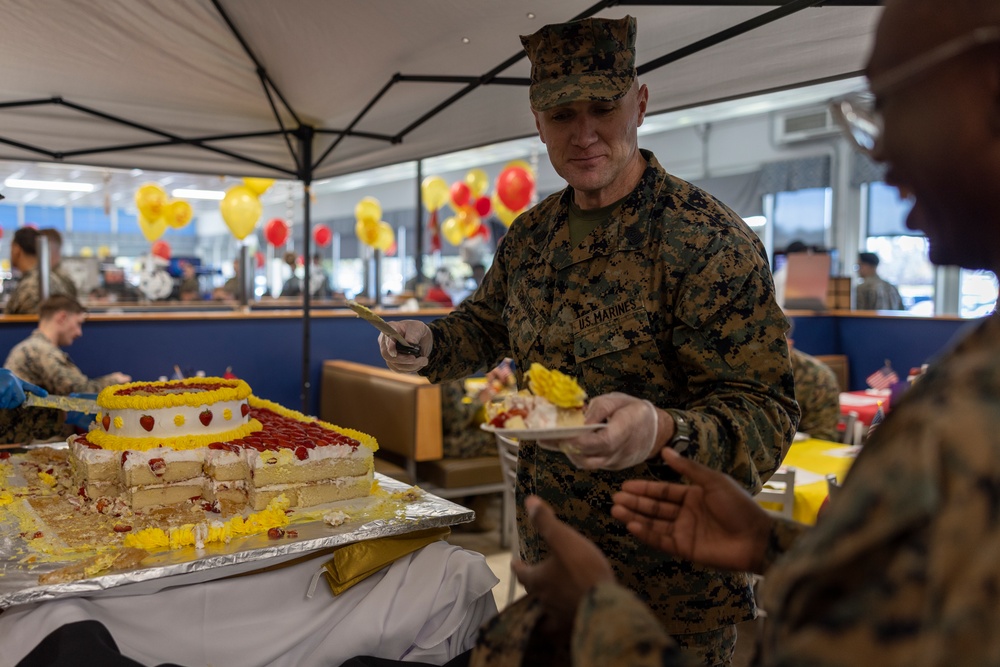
point(856, 114)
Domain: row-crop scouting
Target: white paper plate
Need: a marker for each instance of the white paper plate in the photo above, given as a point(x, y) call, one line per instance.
point(554, 433)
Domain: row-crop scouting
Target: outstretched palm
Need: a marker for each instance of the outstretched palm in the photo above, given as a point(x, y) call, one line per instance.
point(711, 521)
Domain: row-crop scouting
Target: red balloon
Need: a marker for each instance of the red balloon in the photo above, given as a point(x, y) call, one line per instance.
point(514, 187)
point(161, 249)
point(276, 231)
point(322, 235)
point(259, 258)
point(460, 194)
point(483, 206)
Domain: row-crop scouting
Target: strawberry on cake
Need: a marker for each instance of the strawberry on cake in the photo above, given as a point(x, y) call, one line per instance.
point(162, 443)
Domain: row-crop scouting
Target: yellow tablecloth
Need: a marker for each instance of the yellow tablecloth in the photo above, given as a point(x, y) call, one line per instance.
point(812, 458)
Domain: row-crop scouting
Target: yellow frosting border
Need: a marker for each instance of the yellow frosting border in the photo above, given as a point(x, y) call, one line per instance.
point(367, 440)
point(118, 443)
point(234, 390)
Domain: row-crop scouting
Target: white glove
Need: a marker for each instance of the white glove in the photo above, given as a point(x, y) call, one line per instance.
point(628, 440)
point(414, 331)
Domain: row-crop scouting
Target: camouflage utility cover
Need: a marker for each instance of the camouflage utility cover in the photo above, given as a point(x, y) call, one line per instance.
point(590, 59)
point(671, 301)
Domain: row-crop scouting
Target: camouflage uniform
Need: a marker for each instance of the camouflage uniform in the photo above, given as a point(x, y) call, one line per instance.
point(38, 361)
point(21, 425)
point(876, 294)
point(670, 301)
point(461, 435)
point(818, 395)
point(902, 567)
point(27, 297)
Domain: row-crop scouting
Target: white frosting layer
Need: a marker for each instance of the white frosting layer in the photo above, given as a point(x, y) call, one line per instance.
point(177, 421)
point(285, 456)
point(87, 454)
point(136, 459)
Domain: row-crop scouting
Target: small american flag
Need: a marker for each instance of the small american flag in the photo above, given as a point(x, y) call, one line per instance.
point(883, 378)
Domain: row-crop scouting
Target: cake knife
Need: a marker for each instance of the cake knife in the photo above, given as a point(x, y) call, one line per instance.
point(84, 405)
point(402, 345)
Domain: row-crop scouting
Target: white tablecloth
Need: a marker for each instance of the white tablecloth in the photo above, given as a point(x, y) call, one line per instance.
point(426, 606)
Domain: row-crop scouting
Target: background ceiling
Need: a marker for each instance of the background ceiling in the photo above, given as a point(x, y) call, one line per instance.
point(176, 72)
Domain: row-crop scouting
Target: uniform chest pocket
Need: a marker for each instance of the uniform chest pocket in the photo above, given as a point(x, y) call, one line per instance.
point(615, 335)
point(619, 355)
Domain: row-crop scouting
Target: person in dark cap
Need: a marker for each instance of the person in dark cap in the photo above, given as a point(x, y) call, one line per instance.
point(873, 293)
point(651, 293)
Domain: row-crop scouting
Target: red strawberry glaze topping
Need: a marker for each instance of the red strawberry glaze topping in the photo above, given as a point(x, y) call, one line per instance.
point(155, 390)
point(280, 432)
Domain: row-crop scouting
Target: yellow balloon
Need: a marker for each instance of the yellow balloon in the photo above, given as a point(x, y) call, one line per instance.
point(434, 192)
point(152, 229)
point(240, 209)
point(86, 251)
point(499, 210)
point(451, 229)
point(367, 231)
point(178, 213)
point(385, 237)
point(103, 251)
point(368, 209)
point(258, 185)
point(151, 199)
point(468, 221)
point(478, 181)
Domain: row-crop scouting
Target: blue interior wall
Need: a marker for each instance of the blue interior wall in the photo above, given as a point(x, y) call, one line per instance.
point(267, 352)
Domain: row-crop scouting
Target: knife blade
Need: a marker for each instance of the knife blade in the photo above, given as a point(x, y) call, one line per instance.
point(402, 345)
point(67, 403)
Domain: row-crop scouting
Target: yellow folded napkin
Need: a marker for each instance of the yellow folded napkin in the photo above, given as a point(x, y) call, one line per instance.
point(356, 562)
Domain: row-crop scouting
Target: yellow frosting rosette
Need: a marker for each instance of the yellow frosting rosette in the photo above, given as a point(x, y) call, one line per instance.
point(559, 389)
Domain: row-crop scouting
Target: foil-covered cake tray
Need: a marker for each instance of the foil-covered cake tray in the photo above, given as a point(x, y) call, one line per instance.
point(394, 510)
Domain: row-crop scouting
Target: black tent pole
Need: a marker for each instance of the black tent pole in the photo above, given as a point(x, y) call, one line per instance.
point(306, 135)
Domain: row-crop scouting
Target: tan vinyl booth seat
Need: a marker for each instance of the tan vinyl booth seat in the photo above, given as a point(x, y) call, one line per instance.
point(403, 412)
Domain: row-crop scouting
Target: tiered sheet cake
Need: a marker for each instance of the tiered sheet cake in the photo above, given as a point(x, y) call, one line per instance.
point(162, 443)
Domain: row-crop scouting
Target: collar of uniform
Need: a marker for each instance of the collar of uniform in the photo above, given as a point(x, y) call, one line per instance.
point(627, 229)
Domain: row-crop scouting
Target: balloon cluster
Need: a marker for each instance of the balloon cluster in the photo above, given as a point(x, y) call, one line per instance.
point(157, 211)
point(370, 228)
point(515, 187)
point(241, 207)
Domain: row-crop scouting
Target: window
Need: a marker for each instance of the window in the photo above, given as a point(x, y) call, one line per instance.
point(802, 215)
point(979, 293)
point(902, 252)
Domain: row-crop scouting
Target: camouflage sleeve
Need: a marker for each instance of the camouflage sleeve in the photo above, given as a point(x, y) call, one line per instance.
point(729, 337)
point(818, 394)
point(24, 300)
point(22, 425)
point(783, 534)
point(614, 628)
point(52, 370)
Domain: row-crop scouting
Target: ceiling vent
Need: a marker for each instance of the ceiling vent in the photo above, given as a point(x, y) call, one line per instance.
point(803, 125)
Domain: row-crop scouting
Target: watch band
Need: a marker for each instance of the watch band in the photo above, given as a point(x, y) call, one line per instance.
point(682, 432)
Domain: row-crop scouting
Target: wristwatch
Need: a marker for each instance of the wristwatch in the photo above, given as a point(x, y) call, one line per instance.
point(682, 432)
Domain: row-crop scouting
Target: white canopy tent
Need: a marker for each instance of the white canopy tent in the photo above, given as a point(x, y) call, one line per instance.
point(309, 89)
point(176, 85)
